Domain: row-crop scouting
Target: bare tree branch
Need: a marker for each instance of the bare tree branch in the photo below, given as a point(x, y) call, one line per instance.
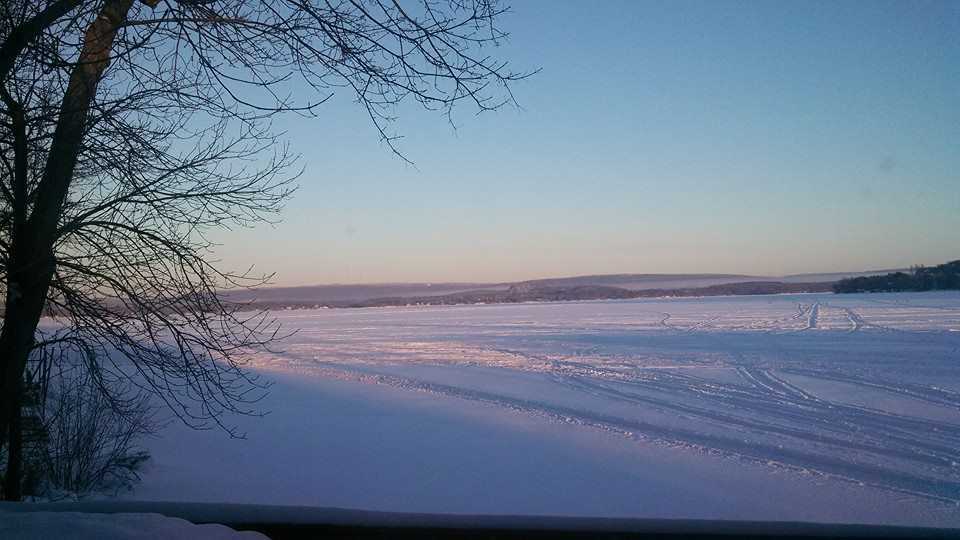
point(130, 130)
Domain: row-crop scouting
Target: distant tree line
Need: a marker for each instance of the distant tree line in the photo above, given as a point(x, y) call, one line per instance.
point(535, 293)
point(920, 278)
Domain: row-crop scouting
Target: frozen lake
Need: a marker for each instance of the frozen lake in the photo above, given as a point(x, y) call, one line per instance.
point(818, 407)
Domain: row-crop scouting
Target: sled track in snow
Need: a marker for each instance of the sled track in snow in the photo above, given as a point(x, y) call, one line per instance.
point(829, 463)
point(808, 383)
point(813, 317)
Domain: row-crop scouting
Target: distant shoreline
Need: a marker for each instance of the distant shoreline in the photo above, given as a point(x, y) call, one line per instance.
point(537, 294)
point(943, 277)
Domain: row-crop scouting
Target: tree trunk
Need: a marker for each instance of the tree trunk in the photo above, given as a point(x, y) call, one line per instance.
point(32, 264)
point(14, 473)
point(26, 292)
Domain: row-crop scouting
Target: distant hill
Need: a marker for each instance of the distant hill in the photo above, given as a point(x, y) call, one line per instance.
point(592, 286)
point(834, 276)
point(642, 281)
point(525, 292)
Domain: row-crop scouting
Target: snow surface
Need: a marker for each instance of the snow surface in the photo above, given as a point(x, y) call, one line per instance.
point(834, 408)
point(81, 526)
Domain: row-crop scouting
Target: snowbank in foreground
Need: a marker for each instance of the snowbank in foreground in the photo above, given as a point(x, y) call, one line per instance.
point(78, 525)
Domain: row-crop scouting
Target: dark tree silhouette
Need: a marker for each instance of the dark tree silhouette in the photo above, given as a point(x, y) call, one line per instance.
point(945, 276)
point(130, 129)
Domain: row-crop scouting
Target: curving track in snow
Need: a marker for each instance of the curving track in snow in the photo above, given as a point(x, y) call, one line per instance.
point(863, 388)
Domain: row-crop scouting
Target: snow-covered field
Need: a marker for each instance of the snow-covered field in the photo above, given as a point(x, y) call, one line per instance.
point(803, 407)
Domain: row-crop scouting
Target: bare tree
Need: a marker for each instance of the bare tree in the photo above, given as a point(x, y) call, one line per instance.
point(79, 439)
point(128, 130)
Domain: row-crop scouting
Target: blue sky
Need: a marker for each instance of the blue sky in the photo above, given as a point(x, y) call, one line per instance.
point(659, 137)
